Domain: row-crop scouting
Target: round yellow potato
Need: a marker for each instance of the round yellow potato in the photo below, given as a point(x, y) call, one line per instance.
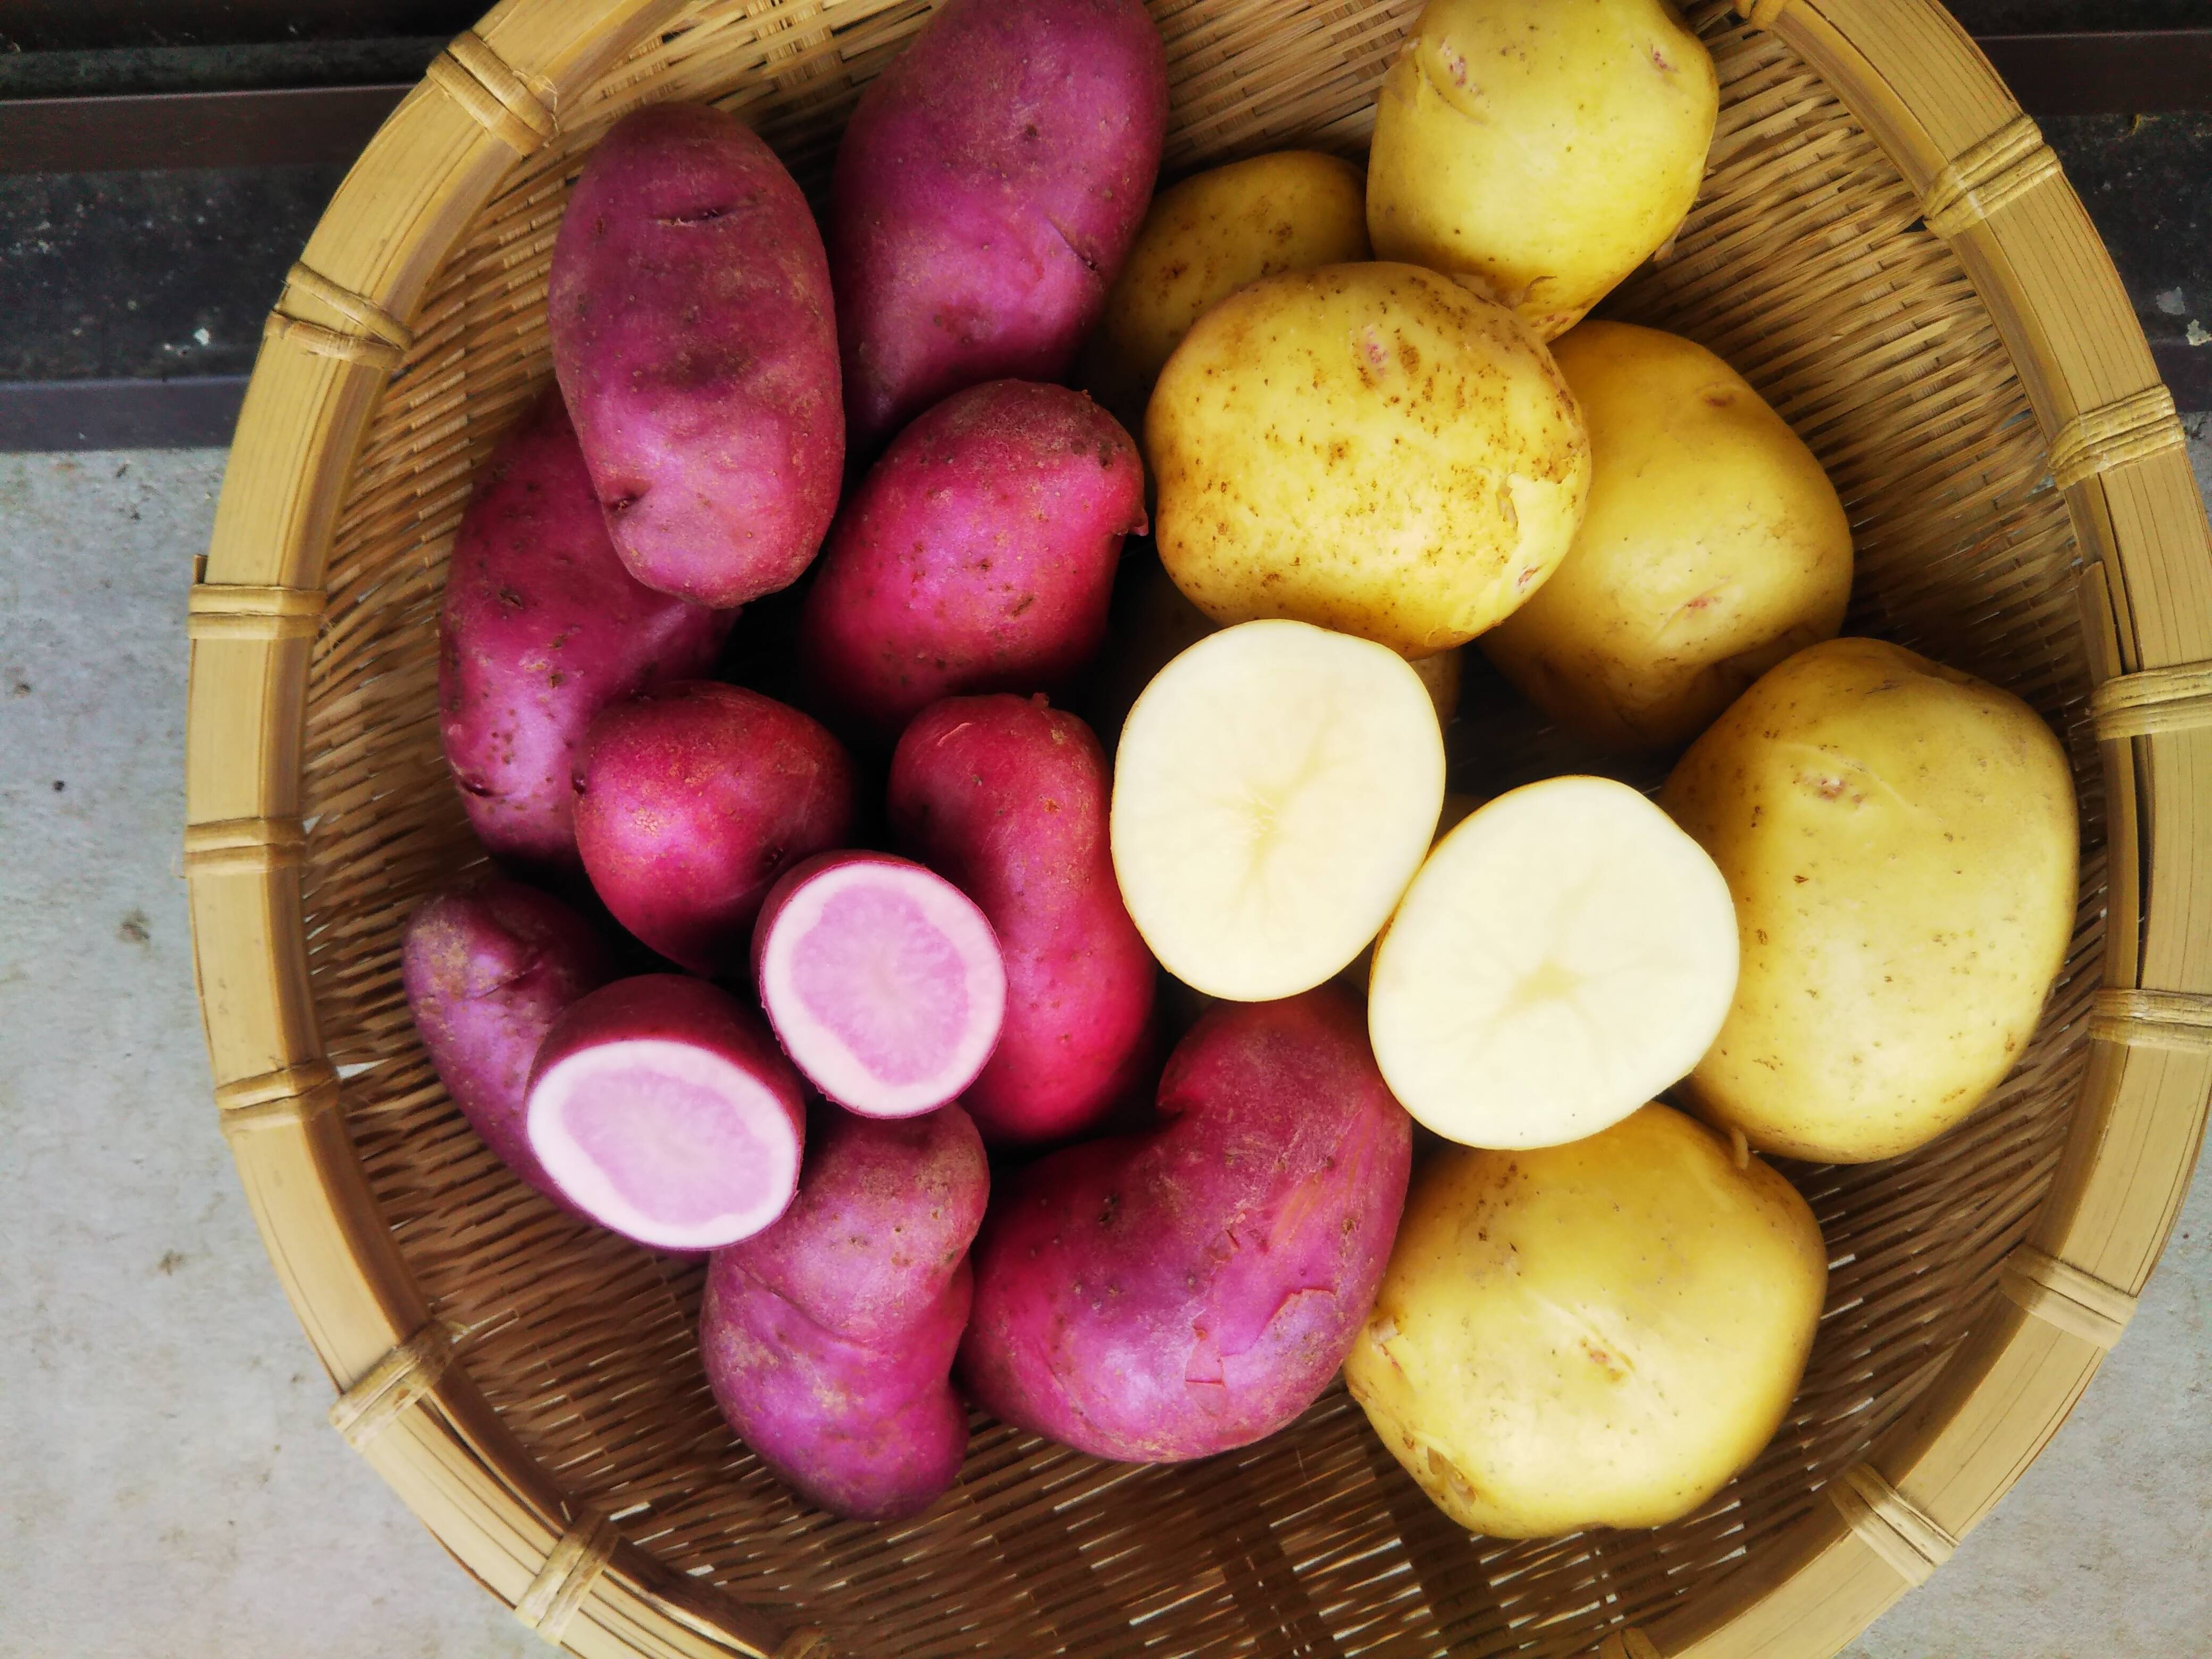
point(1901, 843)
point(1371, 448)
point(1598, 1334)
point(1713, 548)
point(1544, 148)
point(1205, 239)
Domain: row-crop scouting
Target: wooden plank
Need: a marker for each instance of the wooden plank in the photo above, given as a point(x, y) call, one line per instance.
point(276, 126)
point(2101, 72)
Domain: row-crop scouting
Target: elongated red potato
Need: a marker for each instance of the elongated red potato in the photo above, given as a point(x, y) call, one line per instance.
point(978, 554)
point(488, 968)
point(695, 338)
point(827, 1337)
point(1172, 1295)
point(882, 979)
point(543, 626)
point(692, 801)
point(1007, 798)
point(661, 1107)
point(987, 191)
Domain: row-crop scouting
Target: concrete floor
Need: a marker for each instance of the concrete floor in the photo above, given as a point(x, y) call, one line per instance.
point(168, 1486)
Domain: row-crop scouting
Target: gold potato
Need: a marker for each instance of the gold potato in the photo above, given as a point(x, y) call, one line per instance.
point(1543, 148)
point(1205, 238)
point(1370, 448)
point(1713, 548)
point(1901, 843)
point(1598, 1334)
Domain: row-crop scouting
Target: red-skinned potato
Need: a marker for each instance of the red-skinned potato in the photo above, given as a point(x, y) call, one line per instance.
point(661, 1107)
point(978, 554)
point(1176, 1294)
point(543, 626)
point(882, 980)
point(985, 192)
point(693, 337)
point(691, 801)
point(1007, 799)
point(828, 1338)
point(488, 968)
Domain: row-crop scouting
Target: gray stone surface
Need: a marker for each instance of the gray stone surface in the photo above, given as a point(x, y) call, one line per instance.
point(168, 1486)
point(168, 1483)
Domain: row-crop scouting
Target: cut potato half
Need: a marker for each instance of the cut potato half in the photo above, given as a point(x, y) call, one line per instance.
point(1276, 787)
point(1565, 954)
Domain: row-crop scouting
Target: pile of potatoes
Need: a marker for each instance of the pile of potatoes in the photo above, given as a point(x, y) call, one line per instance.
point(1078, 1080)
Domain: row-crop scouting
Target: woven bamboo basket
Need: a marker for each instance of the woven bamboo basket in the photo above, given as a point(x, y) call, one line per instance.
point(1884, 247)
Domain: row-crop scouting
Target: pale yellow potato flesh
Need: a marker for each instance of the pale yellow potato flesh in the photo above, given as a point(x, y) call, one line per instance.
point(1600, 1333)
point(1204, 239)
point(1370, 448)
point(1714, 547)
point(1901, 841)
point(1275, 788)
point(1566, 953)
point(1541, 148)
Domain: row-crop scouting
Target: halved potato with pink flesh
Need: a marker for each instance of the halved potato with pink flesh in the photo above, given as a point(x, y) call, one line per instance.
point(883, 979)
point(661, 1107)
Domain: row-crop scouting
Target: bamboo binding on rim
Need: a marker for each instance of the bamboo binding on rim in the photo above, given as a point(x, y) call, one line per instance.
point(1942, 373)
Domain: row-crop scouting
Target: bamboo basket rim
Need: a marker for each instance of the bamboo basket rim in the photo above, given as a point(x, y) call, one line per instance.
point(1989, 187)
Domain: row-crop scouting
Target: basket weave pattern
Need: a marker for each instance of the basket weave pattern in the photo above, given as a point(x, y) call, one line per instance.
point(1807, 266)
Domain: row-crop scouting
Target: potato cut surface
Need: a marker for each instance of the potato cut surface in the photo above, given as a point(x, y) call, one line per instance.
point(1565, 954)
point(664, 1142)
point(1276, 787)
point(882, 980)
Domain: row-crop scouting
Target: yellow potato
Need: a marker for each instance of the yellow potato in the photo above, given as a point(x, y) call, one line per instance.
point(1600, 1334)
point(1368, 447)
point(1544, 148)
point(1901, 843)
point(1205, 239)
point(1713, 548)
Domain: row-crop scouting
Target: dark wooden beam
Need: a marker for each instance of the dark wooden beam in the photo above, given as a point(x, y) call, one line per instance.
point(2118, 72)
point(288, 126)
point(2108, 72)
point(100, 25)
point(190, 412)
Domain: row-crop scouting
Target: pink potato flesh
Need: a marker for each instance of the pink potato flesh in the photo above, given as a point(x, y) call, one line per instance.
point(987, 191)
point(828, 1337)
point(692, 800)
point(882, 980)
point(487, 970)
point(1007, 798)
point(694, 335)
point(662, 1108)
point(541, 629)
point(1181, 1293)
point(978, 554)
